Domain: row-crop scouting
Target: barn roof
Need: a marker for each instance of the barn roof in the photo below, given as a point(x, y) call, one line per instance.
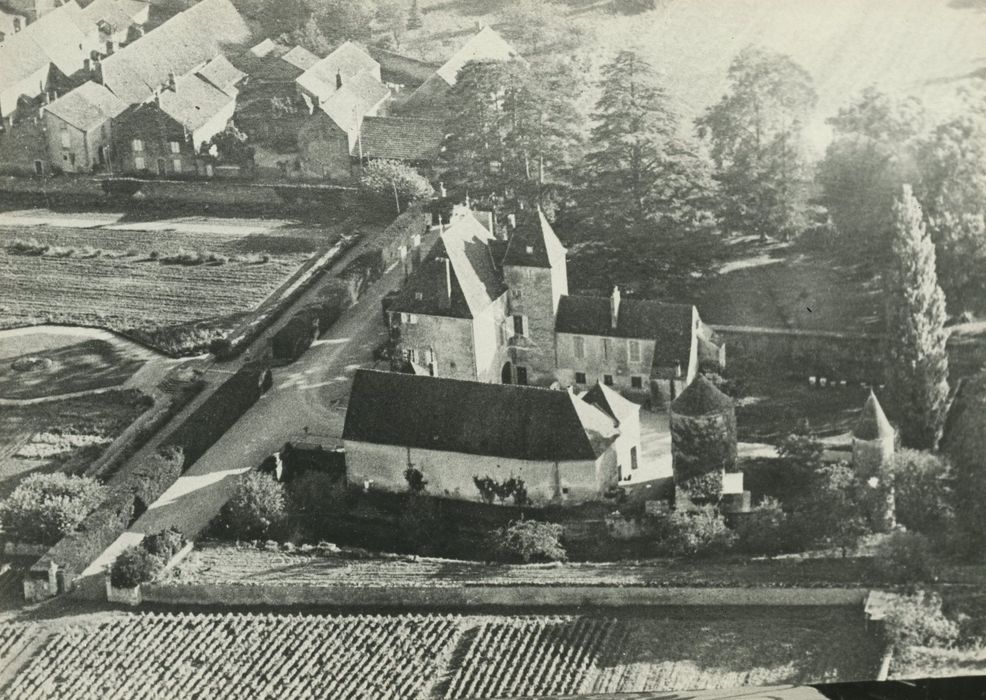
point(221, 73)
point(400, 138)
point(300, 57)
point(610, 402)
point(497, 420)
point(348, 105)
point(193, 102)
point(346, 63)
point(87, 106)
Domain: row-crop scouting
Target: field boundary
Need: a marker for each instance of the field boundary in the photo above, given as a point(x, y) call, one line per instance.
point(483, 596)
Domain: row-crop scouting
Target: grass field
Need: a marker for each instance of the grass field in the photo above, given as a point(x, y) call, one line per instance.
point(926, 48)
point(59, 435)
point(150, 655)
point(137, 277)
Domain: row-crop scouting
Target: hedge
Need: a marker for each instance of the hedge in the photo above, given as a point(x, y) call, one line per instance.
point(296, 336)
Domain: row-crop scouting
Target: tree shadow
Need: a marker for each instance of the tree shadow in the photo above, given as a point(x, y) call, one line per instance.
point(976, 5)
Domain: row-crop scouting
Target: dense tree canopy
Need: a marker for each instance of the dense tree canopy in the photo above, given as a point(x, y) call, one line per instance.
point(756, 137)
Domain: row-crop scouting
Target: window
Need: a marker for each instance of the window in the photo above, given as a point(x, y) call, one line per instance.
point(137, 146)
point(412, 319)
point(580, 378)
point(634, 350)
point(175, 147)
point(66, 139)
point(522, 376)
point(139, 163)
point(608, 379)
point(419, 296)
point(579, 344)
point(501, 334)
point(529, 249)
point(520, 325)
point(633, 457)
point(176, 164)
point(606, 349)
point(637, 382)
point(17, 24)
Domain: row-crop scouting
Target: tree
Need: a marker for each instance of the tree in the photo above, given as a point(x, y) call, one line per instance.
point(917, 363)
point(953, 189)
point(906, 557)
point(46, 507)
point(257, 507)
point(344, 20)
point(692, 532)
point(134, 566)
point(528, 541)
point(830, 512)
point(964, 441)
point(867, 162)
point(536, 26)
point(393, 15)
point(917, 620)
point(416, 482)
point(641, 176)
point(389, 183)
point(308, 35)
point(756, 134)
point(764, 529)
point(230, 147)
point(924, 492)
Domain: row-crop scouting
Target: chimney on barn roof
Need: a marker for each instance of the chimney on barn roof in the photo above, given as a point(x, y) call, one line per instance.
point(614, 306)
point(172, 80)
point(338, 79)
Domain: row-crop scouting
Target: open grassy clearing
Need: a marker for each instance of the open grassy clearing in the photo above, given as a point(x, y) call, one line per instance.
point(62, 435)
point(443, 656)
point(926, 48)
point(176, 288)
point(772, 408)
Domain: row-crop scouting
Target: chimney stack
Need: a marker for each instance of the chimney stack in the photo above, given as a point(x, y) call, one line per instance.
point(448, 282)
point(338, 79)
point(442, 193)
point(172, 80)
point(614, 307)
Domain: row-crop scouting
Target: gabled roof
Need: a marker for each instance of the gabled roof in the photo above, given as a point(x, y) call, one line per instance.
point(349, 104)
point(264, 48)
point(534, 244)
point(400, 138)
point(183, 43)
point(611, 403)
point(87, 106)
point(221, 73)
point(300, 57)
point(497, 420)
point(475, 281)
point(117, 13)
point(193, 102)
point(346, 63)
point(701, 398)
point(872, 423)
point(670, 325)
point(486, 45)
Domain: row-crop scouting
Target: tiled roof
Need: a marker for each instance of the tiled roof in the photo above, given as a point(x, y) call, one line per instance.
point(358, 95)
point(264, 48)
point(611, 403)
point(670, 325)
point(475, 281)
point(534, 244)
point(400, 138)
point(183, 43)
point(346, 62)
point(872, 423)
point(701, 398)
point(117, 13)
point(193, 102)
point(221, 73)
point(87, 106)
point(300, 57)
point(486, 45)
point(497, 420)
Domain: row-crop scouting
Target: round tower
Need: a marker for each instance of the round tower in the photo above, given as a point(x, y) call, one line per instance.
point(703, 440)
point(873, 444)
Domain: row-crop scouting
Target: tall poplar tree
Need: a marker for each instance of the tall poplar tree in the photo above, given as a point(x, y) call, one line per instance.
point(641, 175)
point(917, 363)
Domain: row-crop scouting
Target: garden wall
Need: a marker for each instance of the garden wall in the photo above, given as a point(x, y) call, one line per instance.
point(445, 597)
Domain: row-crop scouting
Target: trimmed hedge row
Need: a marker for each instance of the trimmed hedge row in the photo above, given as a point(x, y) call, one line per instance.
point(296, 336)
point(133, 490)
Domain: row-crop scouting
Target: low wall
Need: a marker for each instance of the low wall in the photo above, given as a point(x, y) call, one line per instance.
point(483, 596)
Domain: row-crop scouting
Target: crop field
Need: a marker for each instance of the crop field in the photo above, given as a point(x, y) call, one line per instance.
point(239, 655)
point(158, 279)
point(62, 434)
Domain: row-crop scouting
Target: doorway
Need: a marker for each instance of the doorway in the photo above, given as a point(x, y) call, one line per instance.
point(505, 375)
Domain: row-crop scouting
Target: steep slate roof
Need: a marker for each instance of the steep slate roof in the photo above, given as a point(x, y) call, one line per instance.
point(117, 13)
point(193, 102)
point(348, 61)
point(476, 282)
point(872, 423)
point(221, 73)
point(497, 420)
point(400, 138)
point(670, 325)
point(347, 105)
point(534, 244)
point(486, 45)
point(264, 48)
point(182, 44)
point(87, 106)
point(611, 403)
point(701, 398)
point(300, 57)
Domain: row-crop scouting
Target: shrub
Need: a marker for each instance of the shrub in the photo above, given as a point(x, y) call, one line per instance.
point(918, 621)
point(906, 557)
point(381, 177)
point(764, 530)
point(528, 541)
point(316, 499)
point(257, 507)
point(923, 489)
point(831, 512)
point(416, 481)
point(687, 533)
point(46, 507)
point(134, 566)
point(164, 544)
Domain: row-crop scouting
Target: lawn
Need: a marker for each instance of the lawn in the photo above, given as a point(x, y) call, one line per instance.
point(39, 364)
point(62, 435)
point(177, 283)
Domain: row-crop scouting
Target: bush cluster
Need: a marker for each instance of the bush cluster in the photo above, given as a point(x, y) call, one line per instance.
point(907, 557)
point(917, 620)
point(142, 562)
point(257, 508)
point(692, 532)
point(46, 507)
point(528, 541)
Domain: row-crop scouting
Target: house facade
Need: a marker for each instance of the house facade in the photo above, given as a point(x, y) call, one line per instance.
point(498, 311)
point(78, 128)
point(565, 449)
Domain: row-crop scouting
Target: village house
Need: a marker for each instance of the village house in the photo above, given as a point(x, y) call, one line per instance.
point(78, 128)
point(30, 10)
point(565, 448)
point(11, 22)
point(119, 21)
point(493, 310)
